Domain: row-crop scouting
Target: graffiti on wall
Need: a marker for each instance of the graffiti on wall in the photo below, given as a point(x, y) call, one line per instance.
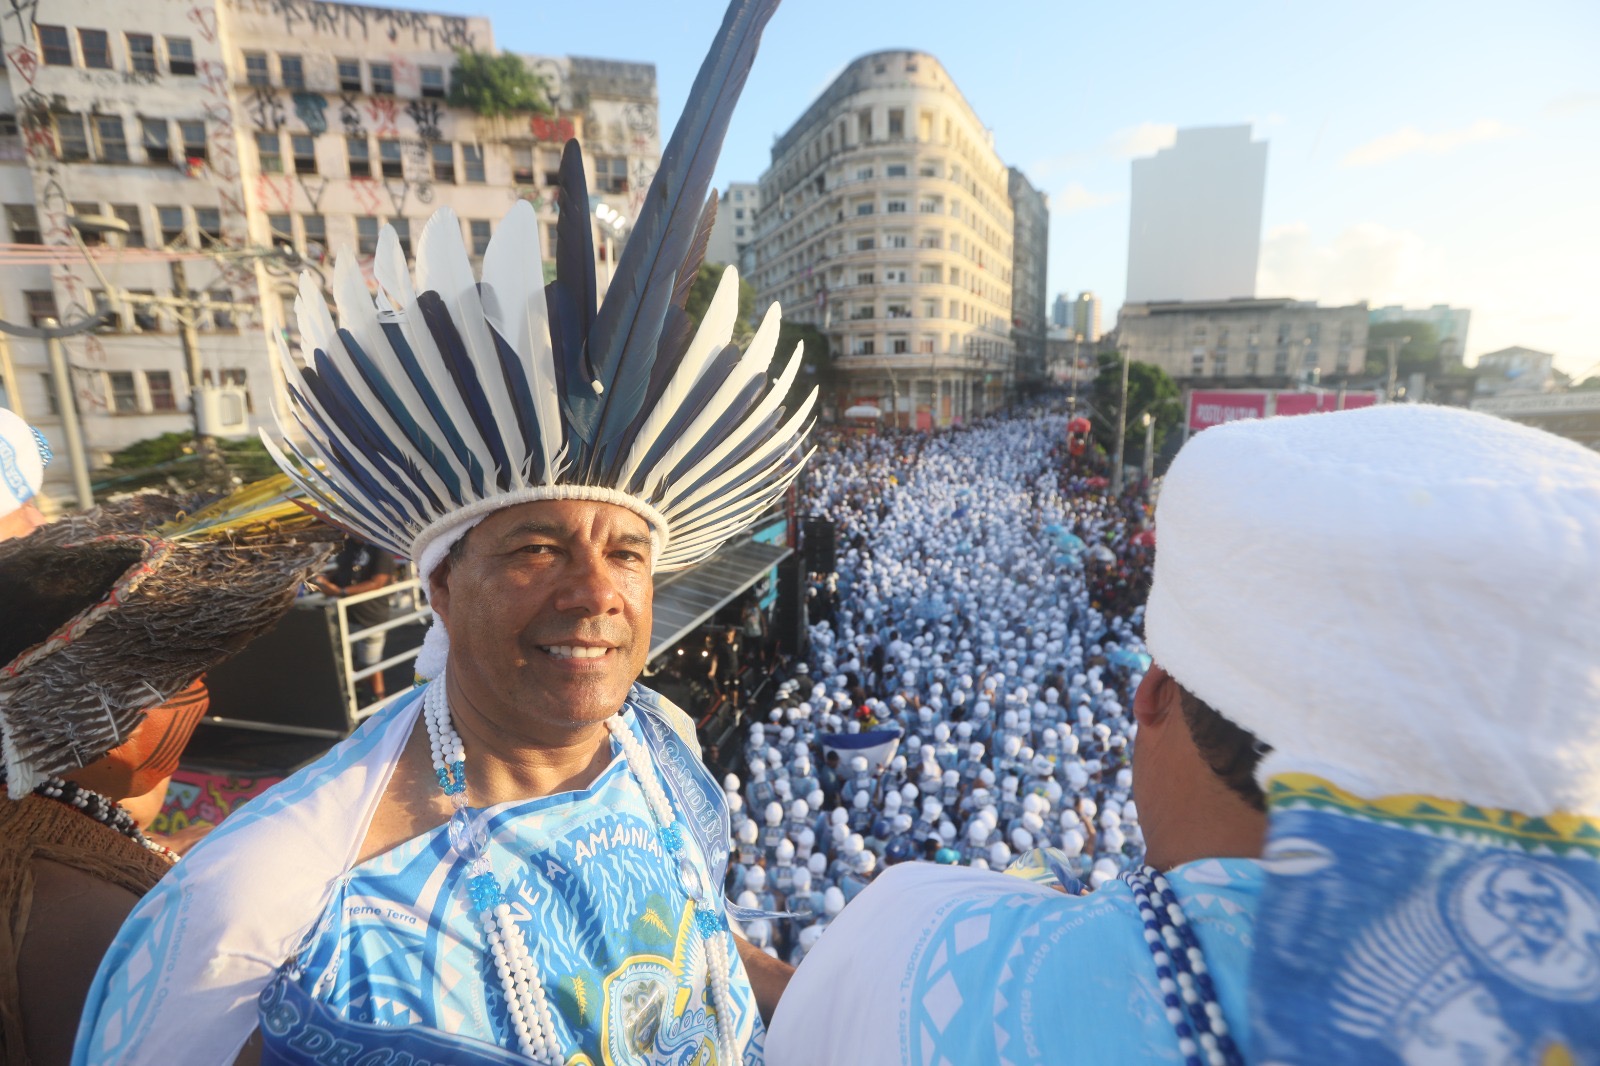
point(353, 22)
point(196, 799)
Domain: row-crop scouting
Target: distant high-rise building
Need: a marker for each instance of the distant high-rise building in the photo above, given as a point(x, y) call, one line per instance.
point(1029, 256)
point(1450, 323)
point(1061, 311)
point(1195, 225)
point(1086, 316)
point(734, 232)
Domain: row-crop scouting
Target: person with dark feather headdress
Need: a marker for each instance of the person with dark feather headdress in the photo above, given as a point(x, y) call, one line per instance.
point(522, 859)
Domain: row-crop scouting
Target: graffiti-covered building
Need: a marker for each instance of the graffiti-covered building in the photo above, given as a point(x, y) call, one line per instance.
point(177, 163)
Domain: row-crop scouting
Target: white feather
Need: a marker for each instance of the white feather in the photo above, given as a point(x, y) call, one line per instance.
point(357, 314)
point(443, 267)
point(311, 311)
point(716, 329)
point(390, 268)
point(513, 270)
point(752, 471)
point(768, 404)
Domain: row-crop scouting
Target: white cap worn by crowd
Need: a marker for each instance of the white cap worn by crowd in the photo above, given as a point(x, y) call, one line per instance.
point(24, 453)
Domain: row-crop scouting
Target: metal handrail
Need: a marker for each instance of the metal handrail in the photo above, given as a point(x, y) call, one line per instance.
point(355, 711)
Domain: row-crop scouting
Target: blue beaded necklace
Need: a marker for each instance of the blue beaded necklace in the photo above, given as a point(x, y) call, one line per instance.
point(1186, 988)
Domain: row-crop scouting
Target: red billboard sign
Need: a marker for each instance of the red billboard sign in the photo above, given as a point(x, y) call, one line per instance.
point(1207, 409)
point(1214, 407)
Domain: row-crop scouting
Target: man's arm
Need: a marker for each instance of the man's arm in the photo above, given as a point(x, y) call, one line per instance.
point(768, 976)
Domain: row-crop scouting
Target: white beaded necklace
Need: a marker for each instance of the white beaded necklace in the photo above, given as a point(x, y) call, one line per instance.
point(519, 979)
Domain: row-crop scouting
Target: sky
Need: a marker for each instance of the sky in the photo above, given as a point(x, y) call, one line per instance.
point(1420, 152)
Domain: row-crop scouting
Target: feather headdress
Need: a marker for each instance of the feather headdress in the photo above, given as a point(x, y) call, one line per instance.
point(450, 397)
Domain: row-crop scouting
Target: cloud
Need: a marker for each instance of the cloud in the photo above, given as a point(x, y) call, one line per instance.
point(1571, 104)
point(1144, 139)
point(1408, 140)
point(1076, 198)
point(1365, 262)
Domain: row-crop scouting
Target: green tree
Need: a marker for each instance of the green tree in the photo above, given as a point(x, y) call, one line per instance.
point(705, 287)
point(1420, 353)
point(171, 462)
point(816, 364)
point(496, 84)
point(1150, 389)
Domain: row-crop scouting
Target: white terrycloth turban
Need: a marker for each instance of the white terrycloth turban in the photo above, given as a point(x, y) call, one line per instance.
point(1400, 599)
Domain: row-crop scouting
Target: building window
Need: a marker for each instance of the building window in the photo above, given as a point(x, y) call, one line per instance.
point(444, 163)
point(402, 230)
point(154, 133)
point(24, 222)
point(172, 229)
point(315, 228)
point(866, 244)
point(522, 164)
point(931, 240)
point(113, 141)
point(895, 170)
point(82, 209)
point(898, 310)
point(390, 158)
point(304, 147)
point(193, 134)
point(55, 45)
point(864, 126)
point(897, 124)
point(360, 151)
point(221, 316)
point(552, 168)
point(281, 228)
point(863, 173)
point(930, 308)
point(130, 214)
point(96, 46)
point(123, 396)
point(899, 345)
point(208, 225)
point(928, 205)
point(145, 319)
point(41, 305)
point(432, 82)
point(896, 207)
point(866, 346)
point(350, 75)
point(478, 229)
point(863, 311)
point(1280, 362)
point(269, 150)
point(382, 78)
point(1311, 360)
point(255, 69)
point(72, 139)
point(292, 70)
point(472, 162)
point(896, 277)
point(925, 345)
point(611, 174)
point(366, 235)
point(931, 275)
point(142, 52)
point(866, 277)
point(898, 240)
point(180, 55)
point(864, 208)
point(159, 384)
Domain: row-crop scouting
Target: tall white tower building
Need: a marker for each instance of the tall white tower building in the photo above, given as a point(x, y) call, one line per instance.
point(1195, 226)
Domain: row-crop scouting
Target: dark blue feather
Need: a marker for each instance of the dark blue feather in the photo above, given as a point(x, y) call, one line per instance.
point(521, 393)
point(747, 398)
point(377, 495)
point(676, 334)
point(454, 350)
point(715, 374)
point(363, 431)
point(755, 440)
point(623, 342)
point(575, 273)
point(419, 381)
point(424, 445)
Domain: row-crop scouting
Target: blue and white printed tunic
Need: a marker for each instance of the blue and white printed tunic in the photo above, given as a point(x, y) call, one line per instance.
point(602, 910)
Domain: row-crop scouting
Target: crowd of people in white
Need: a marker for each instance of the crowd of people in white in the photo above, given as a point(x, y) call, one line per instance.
point(986, 607)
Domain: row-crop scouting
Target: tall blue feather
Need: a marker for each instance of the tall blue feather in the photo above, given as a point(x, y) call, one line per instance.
point(575, 272)
point(623, 342)
point(715, 374)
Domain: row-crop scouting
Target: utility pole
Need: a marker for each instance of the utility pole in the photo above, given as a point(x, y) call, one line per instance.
point(1149, 447)
point(205, 445)
point(1394, 346)
point(67, 402)
point(1122, 429)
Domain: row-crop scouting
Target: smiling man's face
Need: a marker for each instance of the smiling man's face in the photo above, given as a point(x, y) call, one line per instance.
point(548, 610)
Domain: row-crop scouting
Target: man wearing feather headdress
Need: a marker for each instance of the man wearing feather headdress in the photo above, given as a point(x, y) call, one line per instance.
point(524, 858)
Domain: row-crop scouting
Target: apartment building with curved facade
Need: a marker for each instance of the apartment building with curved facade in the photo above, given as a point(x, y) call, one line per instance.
point(887, 223)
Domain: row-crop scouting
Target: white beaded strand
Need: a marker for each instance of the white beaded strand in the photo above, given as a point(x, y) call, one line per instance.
point(527, 1005)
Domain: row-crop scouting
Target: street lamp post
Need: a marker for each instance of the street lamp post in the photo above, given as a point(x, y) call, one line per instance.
point(613, 224)
point(1149, 422)
point(1394, 347)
